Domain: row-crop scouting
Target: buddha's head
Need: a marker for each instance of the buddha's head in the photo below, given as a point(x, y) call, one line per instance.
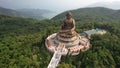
point(69, 15)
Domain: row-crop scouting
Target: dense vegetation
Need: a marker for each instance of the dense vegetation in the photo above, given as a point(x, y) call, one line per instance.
point(22, 44)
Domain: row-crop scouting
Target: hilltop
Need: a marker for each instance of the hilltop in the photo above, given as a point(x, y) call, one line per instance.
point(95, 14)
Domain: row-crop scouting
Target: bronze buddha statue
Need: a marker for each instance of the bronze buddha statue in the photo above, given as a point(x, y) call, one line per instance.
point(68, 26)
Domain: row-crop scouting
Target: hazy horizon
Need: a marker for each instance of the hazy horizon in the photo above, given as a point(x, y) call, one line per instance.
point(53, 5)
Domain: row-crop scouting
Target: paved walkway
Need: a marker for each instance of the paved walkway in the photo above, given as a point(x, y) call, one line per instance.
point(56, 57)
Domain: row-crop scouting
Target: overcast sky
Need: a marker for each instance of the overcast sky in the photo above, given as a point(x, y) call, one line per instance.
point(55, 5)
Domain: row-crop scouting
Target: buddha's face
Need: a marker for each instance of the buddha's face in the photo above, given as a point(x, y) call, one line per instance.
point(69, 16)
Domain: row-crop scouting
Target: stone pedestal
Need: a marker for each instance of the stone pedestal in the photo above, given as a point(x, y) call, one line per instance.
point(72, 45)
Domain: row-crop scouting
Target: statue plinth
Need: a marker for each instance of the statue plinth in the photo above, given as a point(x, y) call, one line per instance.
point(72, 45)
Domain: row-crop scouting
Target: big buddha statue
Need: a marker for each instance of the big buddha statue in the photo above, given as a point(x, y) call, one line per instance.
point(68, 26)
point(67, 40)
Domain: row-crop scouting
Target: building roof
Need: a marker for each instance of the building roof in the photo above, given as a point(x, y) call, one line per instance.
point(94, 31)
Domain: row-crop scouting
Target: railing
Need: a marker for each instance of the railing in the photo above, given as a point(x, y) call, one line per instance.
point(56, 57)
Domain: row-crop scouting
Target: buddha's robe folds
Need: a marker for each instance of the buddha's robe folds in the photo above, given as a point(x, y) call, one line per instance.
point(68, 28)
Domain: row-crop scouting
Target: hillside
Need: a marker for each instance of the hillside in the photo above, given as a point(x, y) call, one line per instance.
point(38, 12)
point(10, 12)
point(22, 43)
point(96, 14)
point(25, 13)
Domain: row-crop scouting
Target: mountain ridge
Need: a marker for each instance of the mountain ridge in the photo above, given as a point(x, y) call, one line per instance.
point(112, 5)
point(43, 12)
point(35, 13)
point(92, 13)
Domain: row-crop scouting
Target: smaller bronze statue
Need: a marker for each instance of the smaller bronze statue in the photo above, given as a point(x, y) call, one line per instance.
point(68, 26)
